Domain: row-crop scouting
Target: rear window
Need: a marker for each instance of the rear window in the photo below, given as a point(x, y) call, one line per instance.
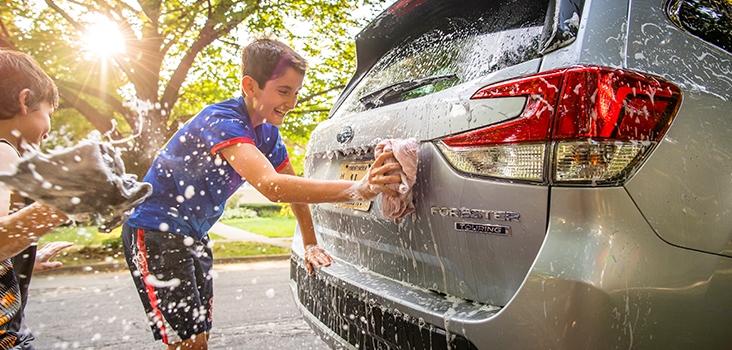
point(710, 20)
point(457, 49)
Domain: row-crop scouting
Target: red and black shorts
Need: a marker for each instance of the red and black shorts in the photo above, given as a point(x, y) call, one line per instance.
point(173, 279)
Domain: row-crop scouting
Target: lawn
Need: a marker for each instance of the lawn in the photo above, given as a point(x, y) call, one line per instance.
point(91, 255)
point(86, 236)
point(238, 248)
point(91, 246)
point(276, 227)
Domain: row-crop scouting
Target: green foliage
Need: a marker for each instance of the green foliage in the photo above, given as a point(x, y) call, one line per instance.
point(181, 55)
point(212, 79)
point(233, 201)
point(265, 210)
point(232, 210)
point(286, 211)
point(238, 213)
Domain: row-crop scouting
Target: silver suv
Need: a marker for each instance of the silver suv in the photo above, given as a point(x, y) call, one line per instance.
point(574, 186)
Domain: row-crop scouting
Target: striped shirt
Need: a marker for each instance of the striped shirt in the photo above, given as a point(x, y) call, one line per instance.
point(10, 298)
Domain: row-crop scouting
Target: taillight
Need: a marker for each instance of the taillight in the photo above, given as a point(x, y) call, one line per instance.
point(596, 124)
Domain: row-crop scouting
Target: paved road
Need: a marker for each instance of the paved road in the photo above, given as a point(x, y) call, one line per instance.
point(253, 309)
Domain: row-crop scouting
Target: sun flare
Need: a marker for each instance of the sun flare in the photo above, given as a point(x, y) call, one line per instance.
point(104, 38)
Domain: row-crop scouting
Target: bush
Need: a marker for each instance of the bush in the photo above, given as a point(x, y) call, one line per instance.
point(286, 211)
point(265, 210)
point(238, 213)
point(233, 201)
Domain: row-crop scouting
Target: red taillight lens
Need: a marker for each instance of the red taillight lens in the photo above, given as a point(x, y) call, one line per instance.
point(597, 122)
point(612, 104)
point(534, 123)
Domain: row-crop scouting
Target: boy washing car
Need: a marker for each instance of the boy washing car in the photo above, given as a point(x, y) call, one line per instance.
point(165, 240)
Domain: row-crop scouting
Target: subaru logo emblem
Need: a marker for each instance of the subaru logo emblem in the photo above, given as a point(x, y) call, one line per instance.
point(345, 135)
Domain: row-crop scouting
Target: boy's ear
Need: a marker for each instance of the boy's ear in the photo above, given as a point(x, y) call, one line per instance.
point(21, 99)
point(249, 86)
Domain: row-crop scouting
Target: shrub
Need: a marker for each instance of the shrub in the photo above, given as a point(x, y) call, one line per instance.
point(233, 201)
point(286, 211)
point(264, 210)
point(238, 213)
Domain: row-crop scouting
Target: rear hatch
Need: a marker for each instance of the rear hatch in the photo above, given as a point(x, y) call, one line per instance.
point(478, 226)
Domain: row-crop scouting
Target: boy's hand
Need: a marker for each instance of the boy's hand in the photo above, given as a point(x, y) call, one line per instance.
point(47, 252)
point(377, 179)
point(316, 257)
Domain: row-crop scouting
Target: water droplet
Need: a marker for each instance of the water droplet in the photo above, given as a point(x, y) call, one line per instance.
point(153, 281)
point(189, 192)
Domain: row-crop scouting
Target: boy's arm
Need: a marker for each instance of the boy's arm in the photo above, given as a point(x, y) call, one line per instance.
point(315, 257)
point(254, 167)
point(24, 227)
point(8, 157)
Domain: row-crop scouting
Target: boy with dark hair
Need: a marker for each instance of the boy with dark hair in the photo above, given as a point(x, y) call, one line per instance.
point(166, 241)
point(27, 99)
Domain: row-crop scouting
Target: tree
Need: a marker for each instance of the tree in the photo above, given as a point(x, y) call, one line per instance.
point(179, 56)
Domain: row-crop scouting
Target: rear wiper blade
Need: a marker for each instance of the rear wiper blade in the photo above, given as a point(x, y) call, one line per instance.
point(379, 97)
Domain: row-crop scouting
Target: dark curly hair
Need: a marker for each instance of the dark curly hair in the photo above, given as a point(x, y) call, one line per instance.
point(19, 71)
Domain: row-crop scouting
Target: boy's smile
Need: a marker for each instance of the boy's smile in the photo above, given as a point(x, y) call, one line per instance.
point(34, 125)
point(279, 96)
point(39, 123)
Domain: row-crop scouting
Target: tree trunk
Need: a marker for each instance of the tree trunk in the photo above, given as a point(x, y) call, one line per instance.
point(139, 153)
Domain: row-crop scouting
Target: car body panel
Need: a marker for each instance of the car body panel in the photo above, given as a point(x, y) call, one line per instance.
point(601, 39)
point(426, 250)
point(690, 170)
point(638, 287)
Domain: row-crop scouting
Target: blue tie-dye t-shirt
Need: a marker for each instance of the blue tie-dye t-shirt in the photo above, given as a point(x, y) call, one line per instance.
point(191, 181)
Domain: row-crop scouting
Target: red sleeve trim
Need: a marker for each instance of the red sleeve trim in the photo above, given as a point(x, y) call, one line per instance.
point(284, 163)
point(227, 143)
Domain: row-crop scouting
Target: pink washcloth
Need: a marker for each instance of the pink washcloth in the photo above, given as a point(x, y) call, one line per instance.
point(405, 153)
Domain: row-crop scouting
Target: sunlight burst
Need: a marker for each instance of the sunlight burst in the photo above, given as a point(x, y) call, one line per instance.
point(104, 38)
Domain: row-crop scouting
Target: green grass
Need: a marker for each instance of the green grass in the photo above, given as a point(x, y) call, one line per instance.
point(214, 236)
point(87, 236)
point(91, 255)
point(88, 242)
point(277, 227)
point(238, 248)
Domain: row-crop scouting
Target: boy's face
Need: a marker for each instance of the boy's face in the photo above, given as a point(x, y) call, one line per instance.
point(36, 124)
point(278, 97)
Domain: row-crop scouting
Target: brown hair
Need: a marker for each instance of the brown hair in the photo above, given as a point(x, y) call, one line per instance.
point(266, 59)
point(19, 71)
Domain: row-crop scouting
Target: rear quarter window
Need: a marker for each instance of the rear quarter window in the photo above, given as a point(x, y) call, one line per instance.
point(710, 20)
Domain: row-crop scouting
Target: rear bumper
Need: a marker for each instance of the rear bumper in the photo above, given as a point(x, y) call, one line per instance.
point(602, 280)
point(347, 314)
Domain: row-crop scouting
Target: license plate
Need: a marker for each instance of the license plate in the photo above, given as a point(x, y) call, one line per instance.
point(354, 171)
